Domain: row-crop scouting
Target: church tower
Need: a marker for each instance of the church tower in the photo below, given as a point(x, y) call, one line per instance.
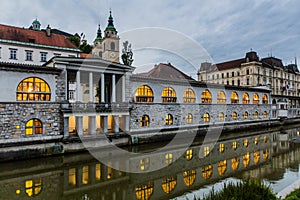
point(110, 42)
point(98, 50)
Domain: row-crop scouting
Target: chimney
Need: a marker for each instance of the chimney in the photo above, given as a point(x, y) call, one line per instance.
point(48, 31)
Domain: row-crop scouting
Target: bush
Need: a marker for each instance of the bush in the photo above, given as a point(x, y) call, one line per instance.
point(295, 195)
point(246, 190)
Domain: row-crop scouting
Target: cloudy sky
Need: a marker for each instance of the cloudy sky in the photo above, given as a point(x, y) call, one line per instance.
point(225, 29)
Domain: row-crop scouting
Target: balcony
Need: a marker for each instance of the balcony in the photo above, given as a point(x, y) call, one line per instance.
point(94, 107)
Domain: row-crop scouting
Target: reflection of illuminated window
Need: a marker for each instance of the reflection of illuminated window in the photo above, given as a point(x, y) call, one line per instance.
point(246, 142)
point(144, 164)
point(256, 140)
point(235, 163)
point(234, 145)
point(169, 184)
point(222, 166)
point(143, 192)
point(189, 177)
point(169, 158)
point(265, 139)
point(109, 173)
point(265, 154)
point(189, 96)
point(256, 115)
point(144, 94)
point(72, 176)
point(256, 157)
point(246, 159)
point(206, 97)
point(221, 97)
point(206, 117)
point(206, 151)
point(222, 148)
point(189, 154)
point(234, 116)
point(85, 175)
point(207, 172)
point(98, 172)
point(221, 117)
point(265, 114)
point(33, 187)
point(189, 118)
point(246, 115)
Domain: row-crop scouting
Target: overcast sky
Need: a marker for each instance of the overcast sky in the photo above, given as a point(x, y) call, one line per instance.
point(226, 29)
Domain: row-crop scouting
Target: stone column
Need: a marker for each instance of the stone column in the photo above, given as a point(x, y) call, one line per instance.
point(126, 123)
point(66, 85)
point(102, 88)
point(105, 124)
point(92, 125)
point(66, 127)
point(79, 125)
point(78, 87)
point(91, 87)
point(116, 120)
point(124, 88)
point(113, 95)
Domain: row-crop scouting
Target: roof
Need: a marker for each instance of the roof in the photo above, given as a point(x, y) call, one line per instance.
point(272, 62)
point(167, 72)
point(32, 36)
point(230, 64)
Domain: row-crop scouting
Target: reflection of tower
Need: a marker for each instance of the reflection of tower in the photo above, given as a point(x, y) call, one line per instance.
point(110, 42)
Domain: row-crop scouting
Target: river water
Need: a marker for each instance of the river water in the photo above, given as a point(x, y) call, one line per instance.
point(266, 155)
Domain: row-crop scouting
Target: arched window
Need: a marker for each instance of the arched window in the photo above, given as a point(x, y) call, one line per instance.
point(206, 97)
point(255, 115)
point(255, 99)
point(222, 166)
point(265, 99)
point(221, 117)
point(33, 89)
point(246, 159)
point(206, 118)
point(256, 157)
point(265, 114)
point(234, 98)
point(246, 142)
point(265, 154)
point(221, 98)
point(189, 154)
point(246, 98)
point(169, 119)
point(144, 164)
point(189, 118)
point(169, 158)
point(33, 187)
point(235, 163)
point(189, 96)
point(207, 172)
point(143, 192)
point(112, 46)
point(234, 116)
point(144, 121)
point(169, 95)
point(189, 177)
point(169, 184)
point(246, 115)
point(144, 94)
point(34, 127)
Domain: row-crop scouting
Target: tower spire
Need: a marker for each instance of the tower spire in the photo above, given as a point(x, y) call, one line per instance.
point(110, 25)
point(99, 34)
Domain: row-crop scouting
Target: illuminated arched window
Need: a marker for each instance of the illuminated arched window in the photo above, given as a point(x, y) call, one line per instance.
point(169, 95)
point(189, 118)
point(206, 97)
point(189, 177)
point(246, 159)
point(144, 121)
point(169, 184)
point(265, 99)
point(255, 115)
point(256, 140)
point(169, 158)
point(34, 127)
point(246, 98)
point(265, 114)
point(221, 98)
point(207, 172)
point(33, 187)
point(189, 154)
point(265, 154)
point(206, 118)
point(256, 157)
point(221, 117)
point(222, 148)
point(143, 192)
point(246, 115)
point(144, 164)
point(246, 142)
point(255, 99)
point(222, 167)
point(234, 116)
point(235, 163)
point(189, 96)
point(33, 89)
point(144, 94)
point(169, 119)
point(234, 98)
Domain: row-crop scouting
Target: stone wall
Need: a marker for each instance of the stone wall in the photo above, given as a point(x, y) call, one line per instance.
point(14, 117)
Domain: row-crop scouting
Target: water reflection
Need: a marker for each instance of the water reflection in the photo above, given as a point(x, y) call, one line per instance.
point(262, 155)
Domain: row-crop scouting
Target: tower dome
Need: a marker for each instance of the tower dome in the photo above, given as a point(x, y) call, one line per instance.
point(36, 25)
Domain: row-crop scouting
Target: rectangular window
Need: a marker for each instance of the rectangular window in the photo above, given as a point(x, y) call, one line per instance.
point(13, 54)
point(227, 74)
point(222, 75)
point(28, 55)
point(71, 95)
point(232, 74)
point(43, 56)
point(247, 72)
point(232, 82)
point(217, 76)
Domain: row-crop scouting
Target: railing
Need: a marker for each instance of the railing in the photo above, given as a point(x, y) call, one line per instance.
point(95, 107)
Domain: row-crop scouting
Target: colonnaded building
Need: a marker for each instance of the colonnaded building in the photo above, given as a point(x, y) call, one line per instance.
point(52, 96)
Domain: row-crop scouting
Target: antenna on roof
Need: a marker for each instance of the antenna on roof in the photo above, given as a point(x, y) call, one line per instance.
point(271, 53)
point(295, 60)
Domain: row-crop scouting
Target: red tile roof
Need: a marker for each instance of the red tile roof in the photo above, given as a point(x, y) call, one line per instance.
point(33, 36)
point(167, 72)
